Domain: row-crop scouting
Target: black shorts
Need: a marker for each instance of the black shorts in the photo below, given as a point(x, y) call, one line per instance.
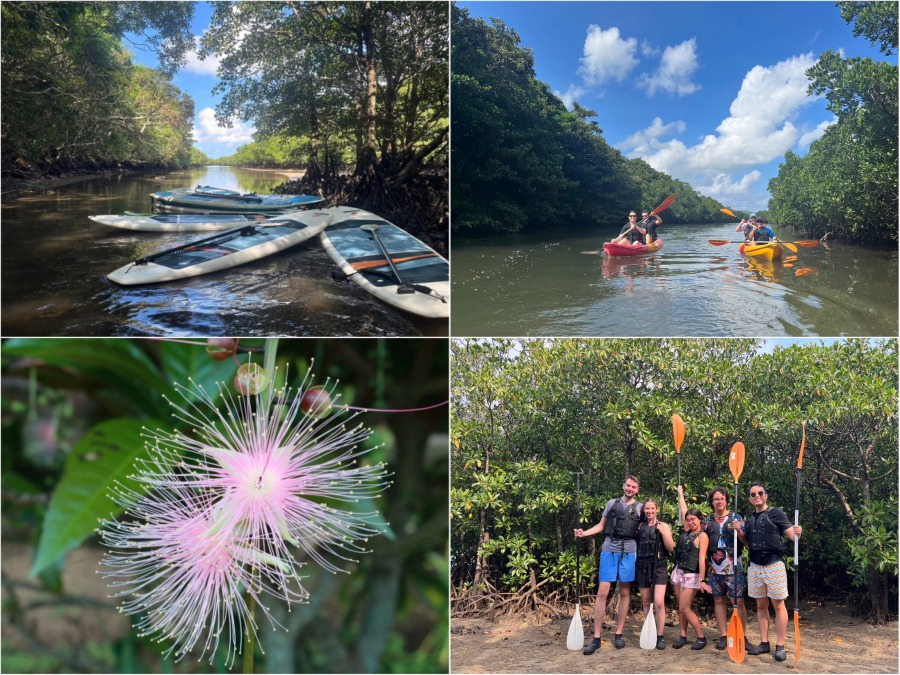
point(645, 578)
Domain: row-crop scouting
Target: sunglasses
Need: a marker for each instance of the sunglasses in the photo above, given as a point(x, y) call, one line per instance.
point(757, 494)
point(632, 215)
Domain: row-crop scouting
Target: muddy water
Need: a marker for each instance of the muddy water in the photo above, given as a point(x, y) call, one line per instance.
point(54, 262)
point(546, 286)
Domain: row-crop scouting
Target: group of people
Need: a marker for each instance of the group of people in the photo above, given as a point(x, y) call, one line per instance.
point(755, 230)
point(636, 232)
point(638, 546)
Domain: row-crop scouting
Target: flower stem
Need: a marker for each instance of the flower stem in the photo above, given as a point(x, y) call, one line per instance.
point(249, 645)
point(269, 366)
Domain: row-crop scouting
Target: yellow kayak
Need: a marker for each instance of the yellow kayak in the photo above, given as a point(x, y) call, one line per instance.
point(767, 250)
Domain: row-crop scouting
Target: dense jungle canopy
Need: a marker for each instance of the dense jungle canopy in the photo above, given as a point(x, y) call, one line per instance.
point(847, 183)
point(527, 414)
point(73, 100)
point(519, 154)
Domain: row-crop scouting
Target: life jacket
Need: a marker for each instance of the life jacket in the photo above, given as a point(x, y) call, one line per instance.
point(761, 235)
point(649, 544)
point(624, 521)
point(762, 534)
point(721, 536)
point(687, 556)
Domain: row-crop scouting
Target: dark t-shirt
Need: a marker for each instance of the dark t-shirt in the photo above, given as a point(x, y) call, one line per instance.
point(779, 519)
point(633, 236)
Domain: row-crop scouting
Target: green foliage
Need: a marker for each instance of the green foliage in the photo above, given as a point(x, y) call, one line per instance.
point(73, 99)
point(518, 154)
point(876, 547)
point(847, 182)
point(527, 414)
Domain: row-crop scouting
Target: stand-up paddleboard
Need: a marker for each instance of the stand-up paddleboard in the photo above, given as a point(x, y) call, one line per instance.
point(224, 250)
point(179, 222)
point(411, 276)
point(216, 199)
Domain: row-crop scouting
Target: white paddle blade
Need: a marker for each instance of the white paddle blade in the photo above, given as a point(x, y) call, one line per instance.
point(648, 632)
point(575, 639)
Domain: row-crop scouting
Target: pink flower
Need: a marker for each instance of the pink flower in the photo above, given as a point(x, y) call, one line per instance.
point(227, 502)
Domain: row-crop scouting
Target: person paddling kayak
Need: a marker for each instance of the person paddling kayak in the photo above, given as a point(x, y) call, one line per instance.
point(632, 233)
point(653, 221)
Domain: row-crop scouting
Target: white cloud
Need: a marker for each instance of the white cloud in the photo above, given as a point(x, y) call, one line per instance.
point(648, 50)
point(814, 135)
point(208, 129)
point(606, 56)
point(725, 189)
point(676, 67)
point(208, 66)
point(572, 94)
point(647, 139)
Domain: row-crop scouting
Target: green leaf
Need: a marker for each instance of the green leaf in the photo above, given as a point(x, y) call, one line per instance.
point(105, 454)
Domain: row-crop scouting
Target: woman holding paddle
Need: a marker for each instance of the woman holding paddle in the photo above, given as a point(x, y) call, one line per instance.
point(654, 543)
point(632, 233)
point(689, 572)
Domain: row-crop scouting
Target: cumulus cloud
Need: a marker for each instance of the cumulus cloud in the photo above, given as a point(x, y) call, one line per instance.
point(648, 50)
point(676, 67)
point(208, 129)
point(606, 56)
point(572, 94)
point(814, 135)
point(724, 188)
point(647, 139)
point(207, 66)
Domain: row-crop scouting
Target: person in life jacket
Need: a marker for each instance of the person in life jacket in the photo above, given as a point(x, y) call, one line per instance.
point(654, 543)
point(761, 233)
point(689, 572)
point(723, 574)
point(765, 531)
point(632, 232)
point(621, 520)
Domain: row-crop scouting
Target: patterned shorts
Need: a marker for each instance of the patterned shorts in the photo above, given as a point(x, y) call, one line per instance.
point(769, 581)
point(723, 584)
point(685, 579)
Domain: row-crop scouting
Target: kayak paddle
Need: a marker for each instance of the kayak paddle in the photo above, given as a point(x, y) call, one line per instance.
point(806, 243)
point(648, 632)
point(735, 634)
point(797, 550)
point(575, 639)
point(678, 433)
point(404, 287)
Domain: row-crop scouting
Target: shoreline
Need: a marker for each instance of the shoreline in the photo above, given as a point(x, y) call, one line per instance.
point(14, 188)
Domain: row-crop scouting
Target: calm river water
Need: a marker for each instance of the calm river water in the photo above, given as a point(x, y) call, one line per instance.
point(545, 286)
point(55, 261)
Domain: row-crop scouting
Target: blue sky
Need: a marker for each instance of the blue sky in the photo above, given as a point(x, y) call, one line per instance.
point(712, 93)
point(197, 79)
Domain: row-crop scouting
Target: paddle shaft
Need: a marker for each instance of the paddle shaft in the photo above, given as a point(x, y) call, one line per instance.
point(387, 256)
point(678, 462)
point(577, 544)
point(220, 238)
point(797, 546)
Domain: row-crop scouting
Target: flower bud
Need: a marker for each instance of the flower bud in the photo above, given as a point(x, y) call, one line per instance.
point(251, 379)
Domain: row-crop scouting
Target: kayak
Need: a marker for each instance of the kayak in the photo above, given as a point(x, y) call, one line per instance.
point(625, 249)
point(767, 250)
point(352, 240)
point(205, 198)
point(223, 250)
point(180, 222)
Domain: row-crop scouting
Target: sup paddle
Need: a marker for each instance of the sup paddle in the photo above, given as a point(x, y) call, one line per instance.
point(575, 639)
point(797, 550)
point(649, 633)
point(678, 433)
point(403, 288)
point(735, 634)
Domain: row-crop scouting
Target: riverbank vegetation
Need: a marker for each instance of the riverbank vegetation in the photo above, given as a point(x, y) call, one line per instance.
point(528, 414)
point(72, 99)
point(358, 83)
point(519, 155)
point(847, 183)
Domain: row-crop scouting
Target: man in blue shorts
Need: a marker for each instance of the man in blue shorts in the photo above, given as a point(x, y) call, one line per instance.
point(621, 520)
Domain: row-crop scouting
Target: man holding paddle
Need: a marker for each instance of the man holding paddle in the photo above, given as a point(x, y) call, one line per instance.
point(621, 520)
point(632, 233)
point(765, 531)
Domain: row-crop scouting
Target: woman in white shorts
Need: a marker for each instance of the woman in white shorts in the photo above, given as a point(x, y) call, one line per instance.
point(690, 568)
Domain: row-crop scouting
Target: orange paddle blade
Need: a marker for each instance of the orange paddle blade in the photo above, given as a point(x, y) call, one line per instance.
point(808, 243)
point(678, 431)
point(662, 207)
point(736, 460)
point(735, 639)
point(728, 212)
point(802, 446)
point(369, 264)
point(789, 246)
point(797, 633)
point(720, 242)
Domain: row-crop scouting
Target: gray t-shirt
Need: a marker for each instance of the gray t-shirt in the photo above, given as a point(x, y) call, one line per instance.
point(616, 544)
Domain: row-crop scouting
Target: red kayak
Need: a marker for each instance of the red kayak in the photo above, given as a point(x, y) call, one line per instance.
point(626, 249)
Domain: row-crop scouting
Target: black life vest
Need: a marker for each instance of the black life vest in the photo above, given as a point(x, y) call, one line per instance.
point(715, 533)
point(687, 555)
point(624, 521)
point(763, 536)
point(761, 235)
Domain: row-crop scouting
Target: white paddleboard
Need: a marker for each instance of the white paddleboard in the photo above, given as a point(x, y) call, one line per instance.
point(180, 222)
point(357, 253)
point(224, 250)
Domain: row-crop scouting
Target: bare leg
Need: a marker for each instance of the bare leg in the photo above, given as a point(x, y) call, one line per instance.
point(682, 622)
point(762, 618)
point(659, 598)
point(721, 622)
point(781, 621)
point(684, 608)
point(600, 607)
point(625, 601)
point(645, 600)
point(742, 612)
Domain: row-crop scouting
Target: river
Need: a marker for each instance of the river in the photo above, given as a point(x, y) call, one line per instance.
point(545, 286)
point(55, 261)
